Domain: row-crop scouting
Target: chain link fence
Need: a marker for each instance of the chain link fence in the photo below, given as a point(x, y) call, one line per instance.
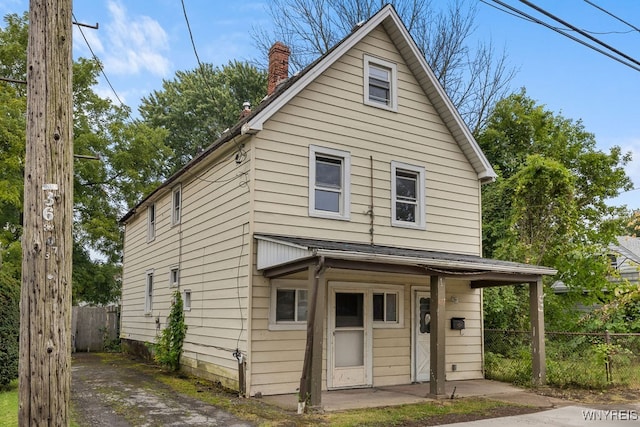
point(585, 360)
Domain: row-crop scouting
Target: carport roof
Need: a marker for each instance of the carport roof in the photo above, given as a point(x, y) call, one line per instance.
point(279, 255)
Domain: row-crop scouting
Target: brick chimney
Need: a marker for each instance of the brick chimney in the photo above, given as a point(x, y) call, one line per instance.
point(278, 66)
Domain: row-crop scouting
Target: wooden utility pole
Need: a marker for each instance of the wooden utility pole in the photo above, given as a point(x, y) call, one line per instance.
point(45, 301)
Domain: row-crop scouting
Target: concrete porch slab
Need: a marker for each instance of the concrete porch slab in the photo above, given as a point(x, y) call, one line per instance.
point(341, 400)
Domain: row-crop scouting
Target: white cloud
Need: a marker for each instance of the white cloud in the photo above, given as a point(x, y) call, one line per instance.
point(134, 44)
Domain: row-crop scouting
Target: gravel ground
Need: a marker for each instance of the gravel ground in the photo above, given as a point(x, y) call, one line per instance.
point(120, 395)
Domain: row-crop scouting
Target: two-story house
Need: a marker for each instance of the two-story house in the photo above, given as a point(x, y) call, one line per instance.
point(332, 238)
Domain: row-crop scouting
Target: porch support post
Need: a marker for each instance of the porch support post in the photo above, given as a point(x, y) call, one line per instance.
point(318, 336)
point(438, 332)
point(536, 313)
point(311, 378)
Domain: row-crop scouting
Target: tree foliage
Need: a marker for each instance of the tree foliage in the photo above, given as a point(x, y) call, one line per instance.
point(548, 205)
point(198, 105)
point(168, 349)
point(474, 77)
point(132, 160)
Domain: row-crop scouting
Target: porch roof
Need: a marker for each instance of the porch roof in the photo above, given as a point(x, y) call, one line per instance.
point(281, 255)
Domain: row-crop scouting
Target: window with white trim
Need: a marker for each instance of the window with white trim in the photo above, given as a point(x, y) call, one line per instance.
point(186, 300)
point(148, 295)
point(289, 304)
point(380, 83)
point(329, 182)
point(385, 307)
point(176, 205)
point(407, 195)
point(151, 222)
point(174, 277)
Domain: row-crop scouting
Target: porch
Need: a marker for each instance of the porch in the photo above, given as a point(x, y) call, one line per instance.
point(341, 400)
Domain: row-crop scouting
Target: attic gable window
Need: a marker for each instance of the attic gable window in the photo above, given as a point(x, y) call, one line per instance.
point(380, 83)
point(329, 183)
point(407, 195)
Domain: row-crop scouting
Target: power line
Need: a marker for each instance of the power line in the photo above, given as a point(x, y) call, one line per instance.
point(612, 15)
point(99, 63)
point(555, 28)
point(579, 31)
point(582, 42)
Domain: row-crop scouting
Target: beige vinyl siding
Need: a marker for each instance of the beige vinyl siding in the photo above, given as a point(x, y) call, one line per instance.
point(330, 113)
point(392, 349)
point(463, 348)
point(211, 247)
point(277, 356)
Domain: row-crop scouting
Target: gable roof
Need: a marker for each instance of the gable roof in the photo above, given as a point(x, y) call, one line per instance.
point(389, 19)
point(414, 59)
point(628, 247)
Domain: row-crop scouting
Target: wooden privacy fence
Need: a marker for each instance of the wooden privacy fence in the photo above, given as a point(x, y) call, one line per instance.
point(94, 328)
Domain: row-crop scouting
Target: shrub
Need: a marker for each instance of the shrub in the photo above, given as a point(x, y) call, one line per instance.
point(9, 328)
point(169, 346)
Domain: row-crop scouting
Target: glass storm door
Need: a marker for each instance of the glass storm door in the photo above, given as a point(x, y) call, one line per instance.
point(349, 340)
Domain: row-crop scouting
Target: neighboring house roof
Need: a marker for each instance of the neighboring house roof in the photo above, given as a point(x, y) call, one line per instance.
point(414, 59)
point(275, 250)
point(628, 247)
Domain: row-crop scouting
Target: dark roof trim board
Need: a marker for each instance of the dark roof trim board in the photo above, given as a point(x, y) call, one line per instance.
point(392, 23)
point(443, 261)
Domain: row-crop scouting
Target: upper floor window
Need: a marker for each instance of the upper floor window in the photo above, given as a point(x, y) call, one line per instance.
point(176, 205)
point(380, 83)
point(151, 222)
point(329, 182)
point(407, 195)
point(148, 296)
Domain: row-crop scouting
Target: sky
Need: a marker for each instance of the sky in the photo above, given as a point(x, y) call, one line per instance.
point(143, 42)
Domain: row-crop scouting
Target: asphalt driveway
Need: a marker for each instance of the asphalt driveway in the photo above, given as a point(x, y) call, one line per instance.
point(122, 395)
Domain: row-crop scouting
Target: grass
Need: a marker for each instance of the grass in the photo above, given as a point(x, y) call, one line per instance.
point(580, 370)
point(415, 413)
point(9, 405)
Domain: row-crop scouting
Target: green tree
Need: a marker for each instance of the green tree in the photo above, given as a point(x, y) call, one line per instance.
point(548, 205)
point(472, 72)
point(197, 106)
point(133, 159)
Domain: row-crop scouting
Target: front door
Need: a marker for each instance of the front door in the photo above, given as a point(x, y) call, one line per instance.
point(422, 335)
point(349, 339)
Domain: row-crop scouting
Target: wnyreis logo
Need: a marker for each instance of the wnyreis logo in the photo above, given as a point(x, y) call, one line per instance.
point(610, 415)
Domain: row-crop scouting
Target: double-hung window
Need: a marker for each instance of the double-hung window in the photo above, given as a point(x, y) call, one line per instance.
point(380, 83)
point(289, 304)
point(176, 205)
point(151, 222)
point(407, 195)
point(329, 182)
point(148, 296)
